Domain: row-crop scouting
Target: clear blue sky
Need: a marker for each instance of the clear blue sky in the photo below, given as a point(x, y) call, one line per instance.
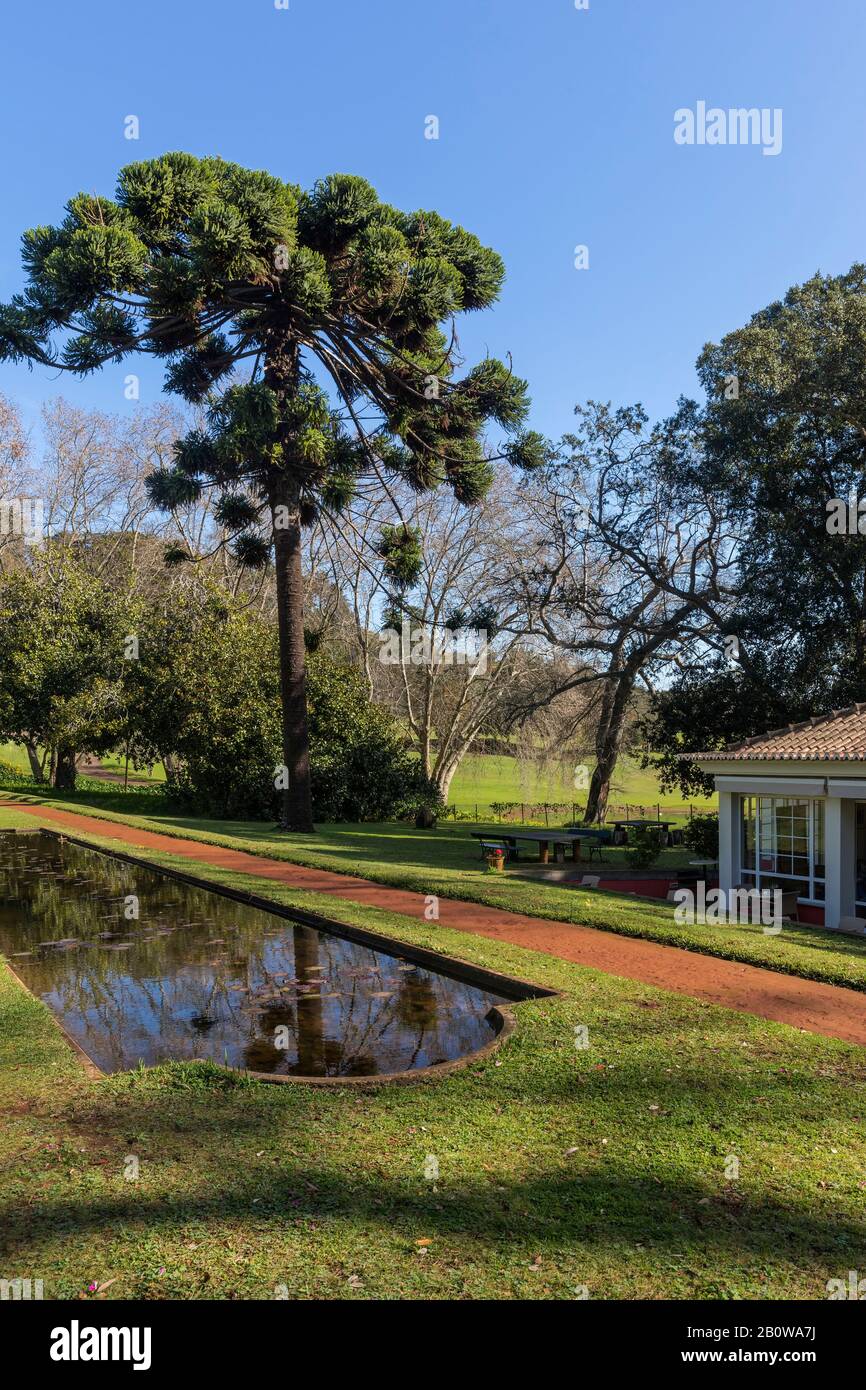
point(556, 129)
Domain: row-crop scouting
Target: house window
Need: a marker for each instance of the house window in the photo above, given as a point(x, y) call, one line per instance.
point(860, 844)
point(783, 844)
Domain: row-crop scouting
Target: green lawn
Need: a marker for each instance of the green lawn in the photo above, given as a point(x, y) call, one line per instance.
point(447, 862)
point(559, 1167)
point(115, 762)
point(14, 753)
point(484, 779)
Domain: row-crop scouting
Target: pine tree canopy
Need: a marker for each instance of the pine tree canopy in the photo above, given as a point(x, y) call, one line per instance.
point(342, 306)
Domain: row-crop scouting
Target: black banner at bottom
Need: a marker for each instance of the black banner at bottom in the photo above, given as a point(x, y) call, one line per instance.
point(83, 1339)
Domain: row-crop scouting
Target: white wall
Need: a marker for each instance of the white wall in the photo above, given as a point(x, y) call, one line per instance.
point(840, 825)
point(730, 838)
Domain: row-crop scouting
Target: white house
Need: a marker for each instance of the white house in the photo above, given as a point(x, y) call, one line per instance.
point(792, 814)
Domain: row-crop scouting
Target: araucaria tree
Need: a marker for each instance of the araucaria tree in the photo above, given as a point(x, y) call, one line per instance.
point(316, 328)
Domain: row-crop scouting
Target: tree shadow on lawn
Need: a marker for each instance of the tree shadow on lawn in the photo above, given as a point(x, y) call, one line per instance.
point(390, 843)
point(589, 1200)
point(546, 1212)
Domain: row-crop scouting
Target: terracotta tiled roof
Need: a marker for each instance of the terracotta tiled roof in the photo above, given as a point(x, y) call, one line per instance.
point(836, 737)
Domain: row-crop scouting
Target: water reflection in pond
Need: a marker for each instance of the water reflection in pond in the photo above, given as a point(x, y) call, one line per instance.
point(197, 975)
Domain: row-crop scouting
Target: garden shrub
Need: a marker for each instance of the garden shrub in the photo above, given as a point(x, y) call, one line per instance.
point(10, 775)
point(702, 835)
point(645, 846)
point(361, 768)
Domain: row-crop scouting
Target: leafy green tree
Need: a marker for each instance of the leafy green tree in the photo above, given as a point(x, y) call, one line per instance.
point(211, 700)
point(212, 266)
point(783, 432)
point(362, 768)
point(209, 696)
point(65, 663)
point(710, 703)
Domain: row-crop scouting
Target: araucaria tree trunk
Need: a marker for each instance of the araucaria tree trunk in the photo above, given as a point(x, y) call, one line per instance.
point(282, 375)
point(297, 808)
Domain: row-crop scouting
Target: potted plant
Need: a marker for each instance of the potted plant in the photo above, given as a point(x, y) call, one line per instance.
point(495, 860)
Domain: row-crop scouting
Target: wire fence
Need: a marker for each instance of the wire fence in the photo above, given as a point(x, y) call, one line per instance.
point(556, 813)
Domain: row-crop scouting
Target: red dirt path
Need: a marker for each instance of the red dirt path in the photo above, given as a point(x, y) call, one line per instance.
point(807, 1004)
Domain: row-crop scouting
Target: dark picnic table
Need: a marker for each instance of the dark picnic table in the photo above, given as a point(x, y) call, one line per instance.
point(559, 839)
point(663, 826)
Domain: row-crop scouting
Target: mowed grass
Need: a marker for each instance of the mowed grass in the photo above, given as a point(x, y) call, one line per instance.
point(561, 1168)
point(447, 862)
point(484, 779)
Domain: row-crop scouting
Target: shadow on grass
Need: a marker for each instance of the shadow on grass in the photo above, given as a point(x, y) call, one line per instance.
point(549, 1211)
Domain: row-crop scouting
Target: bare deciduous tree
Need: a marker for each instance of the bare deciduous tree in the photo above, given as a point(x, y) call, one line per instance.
point(17, 480)
point(627, 569)
point(447, 652)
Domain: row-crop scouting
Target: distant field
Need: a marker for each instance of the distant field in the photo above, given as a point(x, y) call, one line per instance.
point(13, 753)
point(486, 778)
point(115, 763)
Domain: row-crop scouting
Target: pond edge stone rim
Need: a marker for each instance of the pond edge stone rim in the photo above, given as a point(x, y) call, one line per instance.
point(502, 1015)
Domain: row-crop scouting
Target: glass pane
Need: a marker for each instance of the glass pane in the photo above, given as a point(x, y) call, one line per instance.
point(818, 841)
point(860, 850)
point(748, 832)
point(783, 837)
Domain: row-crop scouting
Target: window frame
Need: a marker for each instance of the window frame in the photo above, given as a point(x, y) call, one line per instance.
point(751, 807)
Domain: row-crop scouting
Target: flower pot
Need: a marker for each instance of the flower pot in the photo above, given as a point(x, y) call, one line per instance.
point(495, 862)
